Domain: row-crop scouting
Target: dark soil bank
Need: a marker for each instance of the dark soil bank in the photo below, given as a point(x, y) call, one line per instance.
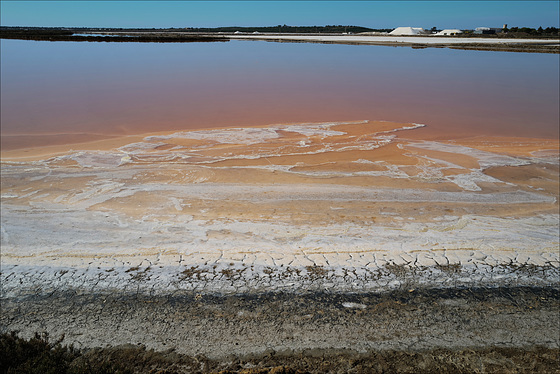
point(39, 355)
point(504, 330)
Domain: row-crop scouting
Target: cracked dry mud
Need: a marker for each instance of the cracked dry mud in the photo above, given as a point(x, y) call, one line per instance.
point(217, 326)
point(284, 238)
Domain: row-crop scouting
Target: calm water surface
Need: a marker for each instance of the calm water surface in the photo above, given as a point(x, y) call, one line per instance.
point(131, 88)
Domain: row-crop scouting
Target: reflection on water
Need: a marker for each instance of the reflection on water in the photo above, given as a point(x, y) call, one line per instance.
point(65, 87)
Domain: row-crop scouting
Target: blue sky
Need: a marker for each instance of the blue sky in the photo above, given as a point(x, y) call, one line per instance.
point(374, 14)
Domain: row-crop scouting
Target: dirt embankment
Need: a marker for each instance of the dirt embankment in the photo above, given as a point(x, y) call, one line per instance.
point(503, 330)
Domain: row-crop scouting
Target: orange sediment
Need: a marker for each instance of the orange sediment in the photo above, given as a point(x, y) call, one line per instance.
point(299, 187)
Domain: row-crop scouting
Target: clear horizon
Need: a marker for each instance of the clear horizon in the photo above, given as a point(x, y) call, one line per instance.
point(372, 14)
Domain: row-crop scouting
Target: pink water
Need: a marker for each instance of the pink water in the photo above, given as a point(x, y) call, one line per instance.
point(74, 90)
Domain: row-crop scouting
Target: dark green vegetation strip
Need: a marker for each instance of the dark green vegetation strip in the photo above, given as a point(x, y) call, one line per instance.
point(40, 355)
point(60, 35)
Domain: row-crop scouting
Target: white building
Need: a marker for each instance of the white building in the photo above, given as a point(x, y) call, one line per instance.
point(408, 31)
point(449, 32)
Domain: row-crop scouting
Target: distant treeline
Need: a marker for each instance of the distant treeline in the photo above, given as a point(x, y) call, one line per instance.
point(17, 32)
point(527, 31)
point(329, 29)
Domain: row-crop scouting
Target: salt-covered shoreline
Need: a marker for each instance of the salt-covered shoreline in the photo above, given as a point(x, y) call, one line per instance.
point(336, 194)
point(485, 44)
point(394, 39)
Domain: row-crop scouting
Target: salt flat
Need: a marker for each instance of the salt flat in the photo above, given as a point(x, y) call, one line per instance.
point(253, 209)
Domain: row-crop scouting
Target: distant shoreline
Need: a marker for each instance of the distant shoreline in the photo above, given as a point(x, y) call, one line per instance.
point(472, 42)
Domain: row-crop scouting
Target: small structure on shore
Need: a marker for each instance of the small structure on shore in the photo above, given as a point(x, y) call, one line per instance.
point(487, 30)
point(448, 32)
point(408, 31)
